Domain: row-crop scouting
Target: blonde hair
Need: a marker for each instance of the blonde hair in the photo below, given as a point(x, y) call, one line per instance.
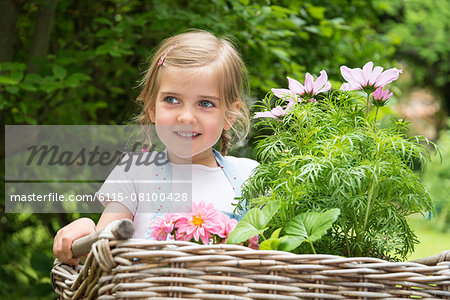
point(199, 49)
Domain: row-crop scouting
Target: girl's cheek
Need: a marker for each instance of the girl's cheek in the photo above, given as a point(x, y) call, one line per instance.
point(164, 120)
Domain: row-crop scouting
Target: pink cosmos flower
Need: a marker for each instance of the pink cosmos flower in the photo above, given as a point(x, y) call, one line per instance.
point(275, 112)
point(163, 226)
point(380, 96)
point(200, 224)
point(367, 79)
point(308, 91)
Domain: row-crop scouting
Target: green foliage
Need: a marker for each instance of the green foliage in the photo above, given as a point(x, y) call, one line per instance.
point(437, 180)
point(306, 227)
point(25, 257)
point(254, 222)
point(274, 242)
point(98, 49)
point(422, 37)
point(311, 226)
point(326, 155)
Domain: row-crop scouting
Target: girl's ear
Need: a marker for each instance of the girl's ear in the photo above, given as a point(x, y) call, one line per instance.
point(151, 113)
point(232, 114)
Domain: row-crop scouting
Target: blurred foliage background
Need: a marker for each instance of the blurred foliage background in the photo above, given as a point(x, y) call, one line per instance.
point(80, 62)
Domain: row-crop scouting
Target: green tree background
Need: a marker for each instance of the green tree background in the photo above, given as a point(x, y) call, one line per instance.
point(80, 62)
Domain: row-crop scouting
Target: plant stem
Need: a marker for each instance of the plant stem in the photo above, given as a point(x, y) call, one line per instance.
point(376, 114)
point(347, 244)
point(360, 233)
point(369, 203)
point(262, 235)
point(312, 247)
point(367, 104)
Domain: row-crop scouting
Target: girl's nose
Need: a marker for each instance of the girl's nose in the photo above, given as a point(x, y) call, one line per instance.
point(186, 116)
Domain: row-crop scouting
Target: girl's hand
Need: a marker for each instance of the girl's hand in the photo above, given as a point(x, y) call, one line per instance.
point(62, 245)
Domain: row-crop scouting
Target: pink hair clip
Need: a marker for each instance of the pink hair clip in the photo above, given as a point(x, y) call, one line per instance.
point(161, 60)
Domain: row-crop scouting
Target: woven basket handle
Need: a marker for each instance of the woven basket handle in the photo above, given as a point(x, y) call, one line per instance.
point(119, 229)
point(435, 259)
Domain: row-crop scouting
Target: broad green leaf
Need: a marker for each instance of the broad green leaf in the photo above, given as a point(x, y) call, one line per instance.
point(80, 76)
point(6, 66)
point(13, 89)
point(324, 222)
point(276, 233)
point(3, 103)
point(285, 243)
point(270, 244)
point(304, 35)
point(317, 12)
point(297, 20)
point(242, 232)
point(59, 72)
point(16, 74)
point(326, 31)
point(312, 29)
point(28, 87)
point(312, 225)
point(75, 79)
point(281, 12)
point(296, 227)
point(280, 53)
point(8, 80)
point(30, 120)
point(18, 118)
point(106, 48)
point(103, 20)
point(253, 223)
point(33, 78)
point(269, 210)
point(49, 86)
point(290, 242)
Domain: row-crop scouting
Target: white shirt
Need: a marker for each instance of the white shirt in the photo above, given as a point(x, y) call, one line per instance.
point(202, 183)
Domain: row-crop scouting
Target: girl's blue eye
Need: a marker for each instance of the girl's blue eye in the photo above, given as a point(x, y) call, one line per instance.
point(172, 100)
point(206, 103)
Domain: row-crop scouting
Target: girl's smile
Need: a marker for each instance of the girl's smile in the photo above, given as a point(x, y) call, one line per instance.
point(188, 134)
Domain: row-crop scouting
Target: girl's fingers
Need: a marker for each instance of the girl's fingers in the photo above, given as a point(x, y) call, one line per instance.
point(66, 247)
point(57, 249)
point(72, 261)
point(62, 245)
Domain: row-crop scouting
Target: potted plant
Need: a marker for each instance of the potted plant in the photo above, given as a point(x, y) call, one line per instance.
point(331, 179)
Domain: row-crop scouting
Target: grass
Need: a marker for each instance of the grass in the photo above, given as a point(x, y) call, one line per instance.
point(432, 240)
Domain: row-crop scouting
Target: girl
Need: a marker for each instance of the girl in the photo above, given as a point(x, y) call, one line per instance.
point(193, 94)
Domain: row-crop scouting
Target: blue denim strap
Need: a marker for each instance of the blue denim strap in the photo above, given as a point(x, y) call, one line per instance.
point(234, 178)
point(164, 176)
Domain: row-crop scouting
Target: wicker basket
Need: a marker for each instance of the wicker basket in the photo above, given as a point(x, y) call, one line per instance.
point(134, 269)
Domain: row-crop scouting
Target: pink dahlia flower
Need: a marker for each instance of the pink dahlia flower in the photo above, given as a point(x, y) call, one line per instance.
point(367, 79)
point(253, 242)
point(381, 96)
point(227, 225)
point(200, 224)
point(163, 226)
